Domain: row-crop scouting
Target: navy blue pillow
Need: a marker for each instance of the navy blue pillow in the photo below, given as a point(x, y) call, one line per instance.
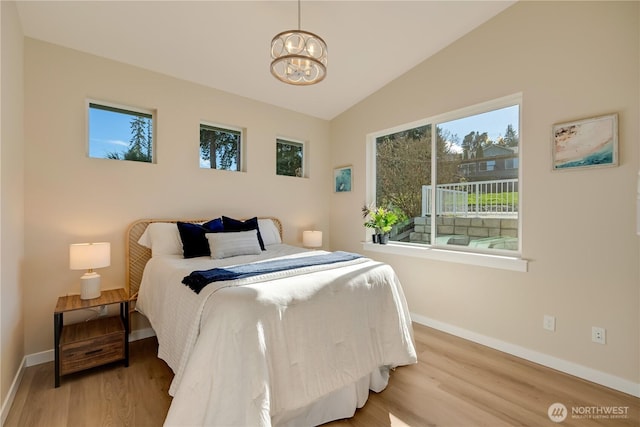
point(194, 241)
point(231, 224)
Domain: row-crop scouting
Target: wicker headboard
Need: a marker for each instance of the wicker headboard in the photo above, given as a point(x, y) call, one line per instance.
point(138, 255)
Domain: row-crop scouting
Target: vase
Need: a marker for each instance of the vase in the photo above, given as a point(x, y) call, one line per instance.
point(383, 239)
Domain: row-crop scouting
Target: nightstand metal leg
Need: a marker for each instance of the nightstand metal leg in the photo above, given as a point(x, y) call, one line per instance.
point(124, 314)
point(57, 330)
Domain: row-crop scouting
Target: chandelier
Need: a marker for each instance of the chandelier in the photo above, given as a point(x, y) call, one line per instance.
point(298, 57)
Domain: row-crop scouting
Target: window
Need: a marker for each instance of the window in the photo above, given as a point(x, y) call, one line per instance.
point(511, 163)
point(120, 133)
point(289, 158)
point(454, 179)
point(489, 165)
point(220, 148)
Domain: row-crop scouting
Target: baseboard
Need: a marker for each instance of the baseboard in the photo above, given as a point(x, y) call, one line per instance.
point(589, 374)
point(49, 356)
point(8, 401)
point(39, 358)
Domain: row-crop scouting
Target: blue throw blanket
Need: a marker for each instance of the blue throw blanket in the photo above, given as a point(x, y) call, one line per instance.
point(197, 280)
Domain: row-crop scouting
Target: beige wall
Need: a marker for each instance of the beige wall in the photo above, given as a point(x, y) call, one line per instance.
point(571, 60)
point(72, 198)
point(12, 199)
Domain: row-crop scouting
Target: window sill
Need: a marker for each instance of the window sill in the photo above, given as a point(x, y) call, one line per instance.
point(483, 260)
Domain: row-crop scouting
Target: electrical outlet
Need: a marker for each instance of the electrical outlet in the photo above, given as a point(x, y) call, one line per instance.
point(103, 311)
point(598, 335)
point(549, 323)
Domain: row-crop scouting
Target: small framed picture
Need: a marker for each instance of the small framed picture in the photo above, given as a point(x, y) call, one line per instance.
point(342, 179)
point(587, 143)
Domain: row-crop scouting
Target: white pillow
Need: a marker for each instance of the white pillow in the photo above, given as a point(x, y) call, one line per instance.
point(233, 243)
point(163, 238)
point(269, 232)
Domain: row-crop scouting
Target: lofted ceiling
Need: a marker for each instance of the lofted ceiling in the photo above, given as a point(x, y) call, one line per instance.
point(225, 44)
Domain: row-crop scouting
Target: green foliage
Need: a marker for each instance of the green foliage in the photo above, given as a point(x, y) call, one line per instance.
point(380, 218)
point(511, 137)
point(507, 198)
point(140, 144)
point(473, 143)
point(288, 158)
point(220, 147)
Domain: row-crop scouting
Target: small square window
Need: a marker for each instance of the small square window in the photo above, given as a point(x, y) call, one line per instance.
point(120, 133)
point(220, 147)
point(289, 158)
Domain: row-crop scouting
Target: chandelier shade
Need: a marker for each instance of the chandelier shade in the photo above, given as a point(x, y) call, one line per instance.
point(298, 57)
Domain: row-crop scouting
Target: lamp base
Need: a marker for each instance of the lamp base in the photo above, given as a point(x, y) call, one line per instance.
point(90, 285)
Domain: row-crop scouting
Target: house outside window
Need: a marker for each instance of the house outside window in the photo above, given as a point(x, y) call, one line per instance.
point(120, 133)
point(220, 147)
point(456, 187)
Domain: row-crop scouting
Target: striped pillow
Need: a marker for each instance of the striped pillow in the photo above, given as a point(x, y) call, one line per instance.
point(225, 245)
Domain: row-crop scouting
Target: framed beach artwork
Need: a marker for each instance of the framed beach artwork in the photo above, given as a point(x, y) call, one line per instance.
point(587, 143)
point(342, 179)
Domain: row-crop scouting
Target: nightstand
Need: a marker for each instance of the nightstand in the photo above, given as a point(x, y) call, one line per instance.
point(84, 345)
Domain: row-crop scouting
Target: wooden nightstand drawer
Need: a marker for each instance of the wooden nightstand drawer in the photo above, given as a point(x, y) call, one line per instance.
point(93, 343)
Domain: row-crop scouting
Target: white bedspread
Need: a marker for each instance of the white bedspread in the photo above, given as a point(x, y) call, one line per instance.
point(244, 352)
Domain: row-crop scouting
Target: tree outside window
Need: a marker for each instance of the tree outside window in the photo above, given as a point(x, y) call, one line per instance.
point(120, 133)
point(289, 158)
point(220, 148)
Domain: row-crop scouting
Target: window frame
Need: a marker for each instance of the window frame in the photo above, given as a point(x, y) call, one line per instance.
point(295, 142)
point(241, 144)
point(502, 259)
point(123, 109)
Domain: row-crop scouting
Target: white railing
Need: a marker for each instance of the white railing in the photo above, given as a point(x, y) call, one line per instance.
point(481, 198)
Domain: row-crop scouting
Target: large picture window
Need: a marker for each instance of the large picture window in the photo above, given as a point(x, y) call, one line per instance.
point(454, 179)
point(120, 133)
point(220, 147)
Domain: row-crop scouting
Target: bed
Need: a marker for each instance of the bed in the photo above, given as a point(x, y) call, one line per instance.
point(296, 347)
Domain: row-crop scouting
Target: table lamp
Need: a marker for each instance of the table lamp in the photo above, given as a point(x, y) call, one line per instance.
point(87, 256)
point(312, 239)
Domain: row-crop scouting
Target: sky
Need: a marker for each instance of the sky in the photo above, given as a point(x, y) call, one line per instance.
point(493, 122)
point(108, 132)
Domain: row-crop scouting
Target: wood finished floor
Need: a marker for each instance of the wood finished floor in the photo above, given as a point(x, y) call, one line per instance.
point(456, 383)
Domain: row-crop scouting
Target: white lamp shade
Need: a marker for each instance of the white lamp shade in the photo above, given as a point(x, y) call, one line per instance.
point(312, 239)
point(87, 256)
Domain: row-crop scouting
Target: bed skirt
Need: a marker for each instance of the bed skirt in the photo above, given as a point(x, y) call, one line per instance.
point(338, 405)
